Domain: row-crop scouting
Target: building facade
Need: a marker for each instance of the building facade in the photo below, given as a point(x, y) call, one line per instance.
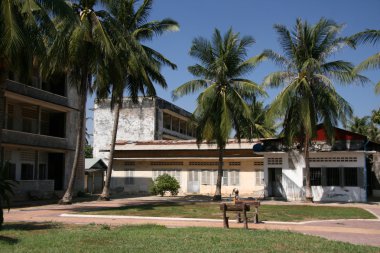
point(195, 167)
point(156, 138)
point(346, 171)
point(38, 138)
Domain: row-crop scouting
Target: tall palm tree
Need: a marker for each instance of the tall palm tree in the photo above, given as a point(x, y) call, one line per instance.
point(261, 125)
point(309, 95)
point(23, 25)
point(82, 49)
point(141, 64)
point(372, 62)
point(223, 100)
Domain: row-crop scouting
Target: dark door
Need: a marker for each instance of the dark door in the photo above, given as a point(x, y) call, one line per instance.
point(275, 182)
point(56, 169)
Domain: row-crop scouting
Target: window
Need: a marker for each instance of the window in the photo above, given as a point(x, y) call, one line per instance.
point(225, 177)
point(207, 177)
point(230, 177)
point(167, 121)
point(259, 177)
point(29, 119)
point(27, 171)
point(10, 117)
point(174, 173)
point(42, 172)
point(130, 174)
point(234, 177)
point(315, 176)
point(332, 176)
point(11, 171)
point(350, 177)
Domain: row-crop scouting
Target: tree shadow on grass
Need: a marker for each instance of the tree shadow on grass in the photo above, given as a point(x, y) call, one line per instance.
point(30, 226)
point(8, 240)
point(134, 206)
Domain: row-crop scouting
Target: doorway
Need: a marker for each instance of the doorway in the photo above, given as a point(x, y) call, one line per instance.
point(275, 182)
point(193, 183)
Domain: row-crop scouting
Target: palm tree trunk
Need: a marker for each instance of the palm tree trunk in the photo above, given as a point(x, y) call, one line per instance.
point(1, 213)
point(106, 189)
point(218, 190)
point(68, 196)
point(309, 194)
point(3, 77)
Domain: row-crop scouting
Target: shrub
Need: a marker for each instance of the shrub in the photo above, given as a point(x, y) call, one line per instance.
point(165, 183)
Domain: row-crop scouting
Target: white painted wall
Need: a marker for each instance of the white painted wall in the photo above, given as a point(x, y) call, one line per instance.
point(292, 175)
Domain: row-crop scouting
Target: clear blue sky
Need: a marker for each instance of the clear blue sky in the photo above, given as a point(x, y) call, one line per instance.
point(256, 18)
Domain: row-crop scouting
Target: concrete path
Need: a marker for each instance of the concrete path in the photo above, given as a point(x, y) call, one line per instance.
point(353, 231)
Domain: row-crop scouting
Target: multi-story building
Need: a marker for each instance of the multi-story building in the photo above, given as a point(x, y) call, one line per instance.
point(38, 139)
point(152, 118)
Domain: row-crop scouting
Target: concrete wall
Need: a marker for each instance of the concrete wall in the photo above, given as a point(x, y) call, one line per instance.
point(136, 123)
point(292, 165)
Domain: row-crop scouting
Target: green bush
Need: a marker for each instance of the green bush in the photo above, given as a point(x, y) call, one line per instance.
point(165, 183)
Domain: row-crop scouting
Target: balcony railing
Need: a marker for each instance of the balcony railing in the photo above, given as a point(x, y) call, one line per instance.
point(36, 93)
point(29, 139)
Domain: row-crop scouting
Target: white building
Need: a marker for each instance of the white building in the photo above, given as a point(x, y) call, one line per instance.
point(149, 144)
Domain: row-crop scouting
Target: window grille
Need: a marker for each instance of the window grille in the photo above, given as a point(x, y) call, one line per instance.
point(166, 163)
point(315, 176)
point(203, 163)
point(333, 159)
point(333, 176)
point(275, 161)
point(129, 163)
point(234, 163)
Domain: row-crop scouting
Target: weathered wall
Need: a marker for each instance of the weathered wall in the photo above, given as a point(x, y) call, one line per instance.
point(136, 123)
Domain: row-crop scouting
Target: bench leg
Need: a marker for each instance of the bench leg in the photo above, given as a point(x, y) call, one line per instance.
point(238, 217)
point(225, 218)
point(256, 216)
point(245, 217)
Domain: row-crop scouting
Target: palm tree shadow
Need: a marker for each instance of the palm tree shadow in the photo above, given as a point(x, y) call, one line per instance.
point(8, 240)
point(30, 226)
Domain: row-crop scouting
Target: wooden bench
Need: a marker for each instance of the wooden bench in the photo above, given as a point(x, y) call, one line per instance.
point(253, 203)
point(235, 208)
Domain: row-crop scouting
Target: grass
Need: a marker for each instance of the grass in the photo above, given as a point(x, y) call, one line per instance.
point(211, 210)
point(151, 238)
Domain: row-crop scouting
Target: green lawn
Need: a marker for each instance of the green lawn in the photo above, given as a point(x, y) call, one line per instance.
point(266, 212)
point(151, 238)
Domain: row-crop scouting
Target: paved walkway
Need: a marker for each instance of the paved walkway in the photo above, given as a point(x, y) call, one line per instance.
point(353, 231)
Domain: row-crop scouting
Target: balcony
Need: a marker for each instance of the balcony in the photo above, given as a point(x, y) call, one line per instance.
point(35, 93)
point(35, 140)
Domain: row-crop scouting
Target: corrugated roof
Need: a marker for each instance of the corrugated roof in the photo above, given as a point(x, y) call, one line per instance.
point(181, 145)
point(98, 163)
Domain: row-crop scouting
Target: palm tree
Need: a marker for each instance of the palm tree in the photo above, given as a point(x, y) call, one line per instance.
point(360, 125)
point(82, 49)
point(223, 100)
point(372, 62)
point(261, 125)
point(23, 27)
point(140, 63)
point(6, 189)
point(309, 95)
